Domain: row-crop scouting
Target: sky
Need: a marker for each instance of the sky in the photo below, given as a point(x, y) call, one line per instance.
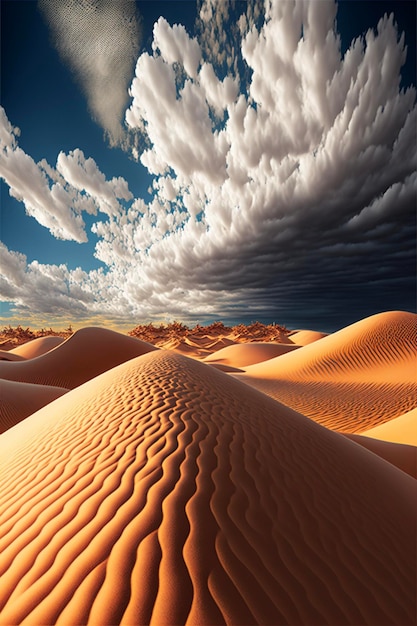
point(201, 161)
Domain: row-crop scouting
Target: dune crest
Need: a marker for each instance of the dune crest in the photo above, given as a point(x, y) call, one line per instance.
point(166, 492)
point(86, 354)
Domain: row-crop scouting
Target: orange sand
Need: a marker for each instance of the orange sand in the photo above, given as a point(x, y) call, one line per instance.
point(89, 352)
point(240, 355)
point(402, 429)
point(163, 491)
point(353, 380)
point(38, 346)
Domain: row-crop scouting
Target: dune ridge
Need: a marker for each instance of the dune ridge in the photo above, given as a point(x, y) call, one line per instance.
point(86, 354)
point(166, 492)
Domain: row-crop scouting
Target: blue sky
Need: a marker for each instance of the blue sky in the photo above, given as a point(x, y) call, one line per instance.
point(241, 172)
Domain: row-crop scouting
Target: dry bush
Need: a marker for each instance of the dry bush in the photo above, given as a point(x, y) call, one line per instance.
point(18, 335)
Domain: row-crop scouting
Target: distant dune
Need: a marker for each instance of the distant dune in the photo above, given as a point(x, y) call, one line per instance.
point(89, 352)
point(240, 355)
point(141, 486)
point(350, 381)
point(36, 347)
point(304, 337)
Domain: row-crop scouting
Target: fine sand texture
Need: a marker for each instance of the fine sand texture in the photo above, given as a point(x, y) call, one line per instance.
point(166, 492)
point(351, 381)
point(89, 352)
point(18, 400)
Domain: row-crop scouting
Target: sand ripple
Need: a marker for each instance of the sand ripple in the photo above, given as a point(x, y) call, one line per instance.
point(166, 492)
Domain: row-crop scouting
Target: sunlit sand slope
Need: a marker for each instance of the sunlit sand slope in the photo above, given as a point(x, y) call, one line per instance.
point(304, 337)
point(402, 429)
point(240, 355)
point(38, 346)
point(18, 400)
point(166, 492)
point(351, 381)
point(89, 352)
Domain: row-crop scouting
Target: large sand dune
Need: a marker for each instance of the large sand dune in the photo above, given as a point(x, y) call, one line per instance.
point(166, 492)
point(89, 352)
point(353, 380)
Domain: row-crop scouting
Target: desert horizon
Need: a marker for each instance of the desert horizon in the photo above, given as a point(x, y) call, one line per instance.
point(246, 475)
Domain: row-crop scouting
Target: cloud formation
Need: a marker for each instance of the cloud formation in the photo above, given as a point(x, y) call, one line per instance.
point(288, 183)
point(57, 197)
point(99, 40)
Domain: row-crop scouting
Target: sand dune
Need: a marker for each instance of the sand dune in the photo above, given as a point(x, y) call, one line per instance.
point(356, 379)
point(380, 348)
point(304, 337)
point(89, 352)
point(243, 354)
point(36, 347)
point(166, 492)
point(182, 346)
point(18, 400)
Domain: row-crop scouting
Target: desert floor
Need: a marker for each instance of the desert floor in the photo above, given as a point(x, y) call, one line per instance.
point(251, 475)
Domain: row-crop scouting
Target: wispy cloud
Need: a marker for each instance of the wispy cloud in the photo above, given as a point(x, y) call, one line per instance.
point(99, 40)
point(292, 181)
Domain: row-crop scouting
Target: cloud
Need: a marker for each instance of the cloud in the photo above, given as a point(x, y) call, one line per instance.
point(288, 184)
point(100, 41)
point(58, 207)
point(56, 198)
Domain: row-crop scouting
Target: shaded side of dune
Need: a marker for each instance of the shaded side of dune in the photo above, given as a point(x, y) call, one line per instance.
point(166, 492)
point(19, 400)
point(402, 456)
